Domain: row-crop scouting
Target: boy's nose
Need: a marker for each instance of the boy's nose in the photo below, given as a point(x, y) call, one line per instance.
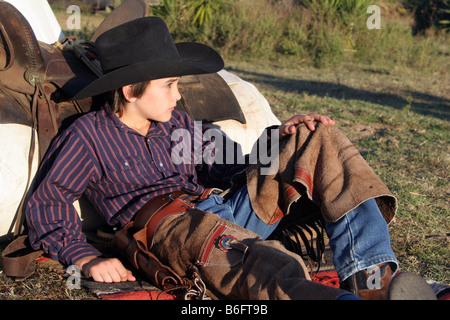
point(177, 95)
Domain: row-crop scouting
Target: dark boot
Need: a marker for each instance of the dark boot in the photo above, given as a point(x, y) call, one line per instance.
point(370, 286)
point(382, 285)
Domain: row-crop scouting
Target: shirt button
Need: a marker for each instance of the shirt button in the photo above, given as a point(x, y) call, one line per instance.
point(161, 164)
point(126, 163)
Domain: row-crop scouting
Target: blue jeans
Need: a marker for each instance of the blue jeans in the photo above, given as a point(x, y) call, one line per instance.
point(358, 240)
point(237, 210)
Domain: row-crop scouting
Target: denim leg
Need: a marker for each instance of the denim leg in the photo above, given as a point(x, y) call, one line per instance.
point(238, 210)
point(360, 240)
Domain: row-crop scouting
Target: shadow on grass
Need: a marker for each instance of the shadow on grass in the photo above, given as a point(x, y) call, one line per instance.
point(418, 102)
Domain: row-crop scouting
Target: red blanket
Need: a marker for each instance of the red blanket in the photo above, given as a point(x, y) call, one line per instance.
point(328, 278)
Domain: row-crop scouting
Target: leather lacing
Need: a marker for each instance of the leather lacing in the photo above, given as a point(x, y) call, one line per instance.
point(193, 286)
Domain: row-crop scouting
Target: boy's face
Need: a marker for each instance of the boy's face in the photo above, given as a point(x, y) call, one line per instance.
point(158, 100)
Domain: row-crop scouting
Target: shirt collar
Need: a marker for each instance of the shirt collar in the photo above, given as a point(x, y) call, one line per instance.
point(105, 117)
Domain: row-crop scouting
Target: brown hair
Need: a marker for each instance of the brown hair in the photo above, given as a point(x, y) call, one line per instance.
point(118, 100)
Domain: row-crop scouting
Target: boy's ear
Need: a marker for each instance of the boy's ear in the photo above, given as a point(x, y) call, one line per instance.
point(127, 90)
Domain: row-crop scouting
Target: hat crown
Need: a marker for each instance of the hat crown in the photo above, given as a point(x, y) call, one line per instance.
point(143, 40)
point(143, 50)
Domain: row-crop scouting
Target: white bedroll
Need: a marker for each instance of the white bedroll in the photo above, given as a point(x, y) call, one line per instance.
point(15, 147)
point(15, 139)
point(41, 18)
point(256, 109)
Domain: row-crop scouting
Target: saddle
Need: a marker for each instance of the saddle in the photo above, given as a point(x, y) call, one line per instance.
point(35, 77)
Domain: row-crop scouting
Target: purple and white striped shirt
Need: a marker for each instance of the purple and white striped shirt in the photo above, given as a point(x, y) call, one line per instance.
point(118, 170)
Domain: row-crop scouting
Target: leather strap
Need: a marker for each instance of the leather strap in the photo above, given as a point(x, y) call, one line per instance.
point(160, 207)
point(177, 206)
point(131, 245)
point(152, 206)
point(134, 240)
point(19, 259)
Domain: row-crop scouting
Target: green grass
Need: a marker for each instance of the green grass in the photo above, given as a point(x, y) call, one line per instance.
point(320, 33)
point(405, 140)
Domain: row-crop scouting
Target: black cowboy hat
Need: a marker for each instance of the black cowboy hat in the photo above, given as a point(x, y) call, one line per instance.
point(142, 50)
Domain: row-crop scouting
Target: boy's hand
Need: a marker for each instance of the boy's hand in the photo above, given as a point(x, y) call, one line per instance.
point(289, 127)
point(105, 269)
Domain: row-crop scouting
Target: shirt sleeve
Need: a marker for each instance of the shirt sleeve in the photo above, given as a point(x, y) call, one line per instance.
point(53, 222)
point(223, 158)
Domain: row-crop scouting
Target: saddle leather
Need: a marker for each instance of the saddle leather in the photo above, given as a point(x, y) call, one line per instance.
point(63, 70)
point(207, 97)
point(129, 10)
point(19, 50)
point(12, 111)
point(19, 259)
point(24, 60)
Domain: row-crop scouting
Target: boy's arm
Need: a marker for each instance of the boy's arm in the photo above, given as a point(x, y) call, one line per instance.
point(53, 222)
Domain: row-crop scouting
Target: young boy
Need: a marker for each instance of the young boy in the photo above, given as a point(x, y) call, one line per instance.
point(120, 157)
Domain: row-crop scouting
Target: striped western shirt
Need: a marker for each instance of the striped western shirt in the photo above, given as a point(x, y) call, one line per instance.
point(118, 170)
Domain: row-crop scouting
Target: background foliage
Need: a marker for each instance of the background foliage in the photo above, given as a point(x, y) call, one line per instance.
point(317, 32)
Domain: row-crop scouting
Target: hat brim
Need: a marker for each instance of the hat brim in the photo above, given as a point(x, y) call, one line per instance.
point(196, 58)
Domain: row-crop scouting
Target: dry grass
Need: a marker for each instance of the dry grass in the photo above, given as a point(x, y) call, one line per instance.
point(399, 120)
point(49, 282)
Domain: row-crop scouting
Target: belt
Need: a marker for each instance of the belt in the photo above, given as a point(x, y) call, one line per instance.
point(158, 208)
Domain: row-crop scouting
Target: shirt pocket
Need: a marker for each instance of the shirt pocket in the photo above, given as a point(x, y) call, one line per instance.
point(127, 169)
